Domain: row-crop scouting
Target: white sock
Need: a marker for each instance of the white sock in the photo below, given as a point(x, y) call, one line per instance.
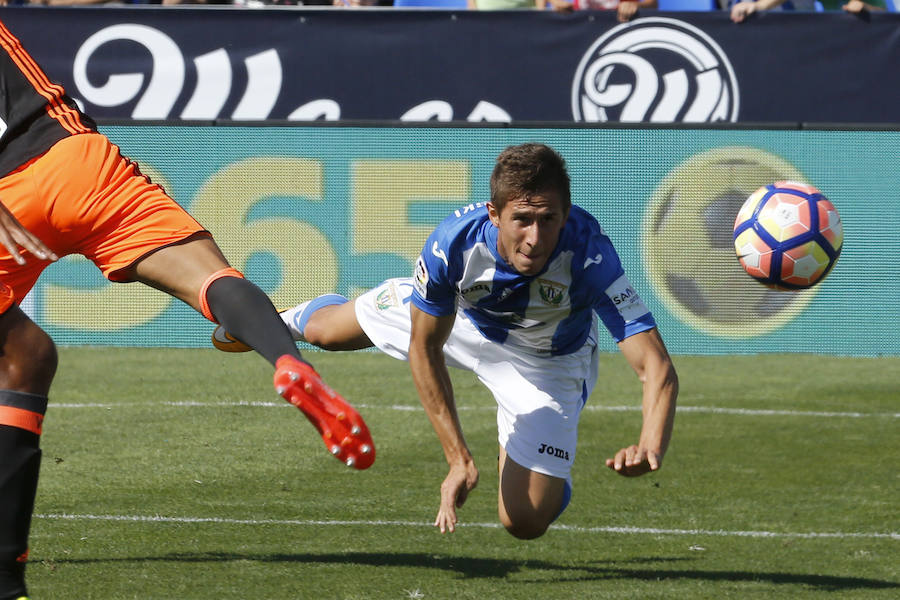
point(296, 318)
point(291, 318)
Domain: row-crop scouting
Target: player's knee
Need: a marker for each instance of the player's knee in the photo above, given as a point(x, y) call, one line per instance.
point(528, 520)
point(44, 358)
point(33, 368)
point(525, 520)
point(525, 528)
point(320, 332)
point(317, 335)
point(231, 283)
point(528, 532)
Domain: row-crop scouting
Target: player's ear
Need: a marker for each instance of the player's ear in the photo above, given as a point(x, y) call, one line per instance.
point(493, 214)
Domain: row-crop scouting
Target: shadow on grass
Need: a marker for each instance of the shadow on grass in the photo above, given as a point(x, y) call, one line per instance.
point(473, 568)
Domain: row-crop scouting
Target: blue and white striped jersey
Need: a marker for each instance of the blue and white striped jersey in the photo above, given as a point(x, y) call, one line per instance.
point(460, 269)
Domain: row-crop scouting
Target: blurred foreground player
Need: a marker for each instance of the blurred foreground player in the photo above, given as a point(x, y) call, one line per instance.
point(511, 290)
point(65, 189)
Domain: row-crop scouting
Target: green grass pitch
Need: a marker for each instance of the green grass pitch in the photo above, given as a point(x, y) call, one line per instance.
point(179, 474)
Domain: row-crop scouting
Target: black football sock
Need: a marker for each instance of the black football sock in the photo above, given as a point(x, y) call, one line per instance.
point(21, 416)
point(248, 314)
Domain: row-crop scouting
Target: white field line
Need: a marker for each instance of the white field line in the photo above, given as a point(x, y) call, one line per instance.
point(415, 408)
point(571, 528)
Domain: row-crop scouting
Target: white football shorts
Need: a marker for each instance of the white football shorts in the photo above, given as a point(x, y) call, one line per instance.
point(539, 398)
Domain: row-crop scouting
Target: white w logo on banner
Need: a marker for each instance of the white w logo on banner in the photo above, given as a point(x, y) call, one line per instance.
point(658, 70)
point(166, 80)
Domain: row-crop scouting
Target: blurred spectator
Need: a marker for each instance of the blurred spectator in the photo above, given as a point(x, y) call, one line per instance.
point(504, 4)
point(741, 10)
point(626, 10)
point(164, 2)
point(87, 2)
point(59, 2)
point(858, 6)
point(349, 3)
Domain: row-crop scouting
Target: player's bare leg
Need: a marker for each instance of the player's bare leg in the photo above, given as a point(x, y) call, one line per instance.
point(336, 327)
point(328, 322)
point(196, 272)
point(527, 501)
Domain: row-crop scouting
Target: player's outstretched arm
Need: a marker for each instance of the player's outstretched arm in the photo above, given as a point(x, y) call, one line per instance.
point(429, 372)
point(13, 235)
point(647, 355)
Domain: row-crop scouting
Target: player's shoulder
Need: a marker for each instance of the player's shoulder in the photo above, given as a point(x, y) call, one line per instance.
point(582, 220)
point(583, 232)
point(466, 222)
point(594, 256)
point(466, 215)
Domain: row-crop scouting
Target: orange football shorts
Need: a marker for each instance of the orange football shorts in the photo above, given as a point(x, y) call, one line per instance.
point(83, 197)
point(7, 297)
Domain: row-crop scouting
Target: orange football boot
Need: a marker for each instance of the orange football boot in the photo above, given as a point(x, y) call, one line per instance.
point(344, 432)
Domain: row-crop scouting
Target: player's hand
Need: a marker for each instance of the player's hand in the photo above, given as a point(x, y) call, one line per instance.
point(13, 235)
point(461, 480)
point(634, 461)
point(855, 6)
point(742, 10)
point(626, 11)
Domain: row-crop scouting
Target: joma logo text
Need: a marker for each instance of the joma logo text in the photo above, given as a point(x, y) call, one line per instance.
point(551, 451)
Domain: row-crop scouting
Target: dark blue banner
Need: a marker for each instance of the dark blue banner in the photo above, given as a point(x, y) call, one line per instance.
point(231, 64)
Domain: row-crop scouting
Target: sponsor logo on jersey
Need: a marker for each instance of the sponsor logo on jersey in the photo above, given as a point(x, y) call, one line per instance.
point(625, 296)
point(476, 292)
point(627, 301)
point(553, 451)
point(657, 70)
point(552, 293)
point(420, 279)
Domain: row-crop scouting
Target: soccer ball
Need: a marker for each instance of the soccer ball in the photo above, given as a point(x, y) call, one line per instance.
point(788, 236)
point(687, 245)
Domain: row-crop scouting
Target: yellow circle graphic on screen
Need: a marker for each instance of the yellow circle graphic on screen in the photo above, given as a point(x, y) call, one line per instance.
point(688, 245)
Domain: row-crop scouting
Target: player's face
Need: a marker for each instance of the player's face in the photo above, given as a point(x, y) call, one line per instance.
point(529, 229)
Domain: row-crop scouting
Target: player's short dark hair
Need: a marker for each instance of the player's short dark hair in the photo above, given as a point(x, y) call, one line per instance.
point(528, 169)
